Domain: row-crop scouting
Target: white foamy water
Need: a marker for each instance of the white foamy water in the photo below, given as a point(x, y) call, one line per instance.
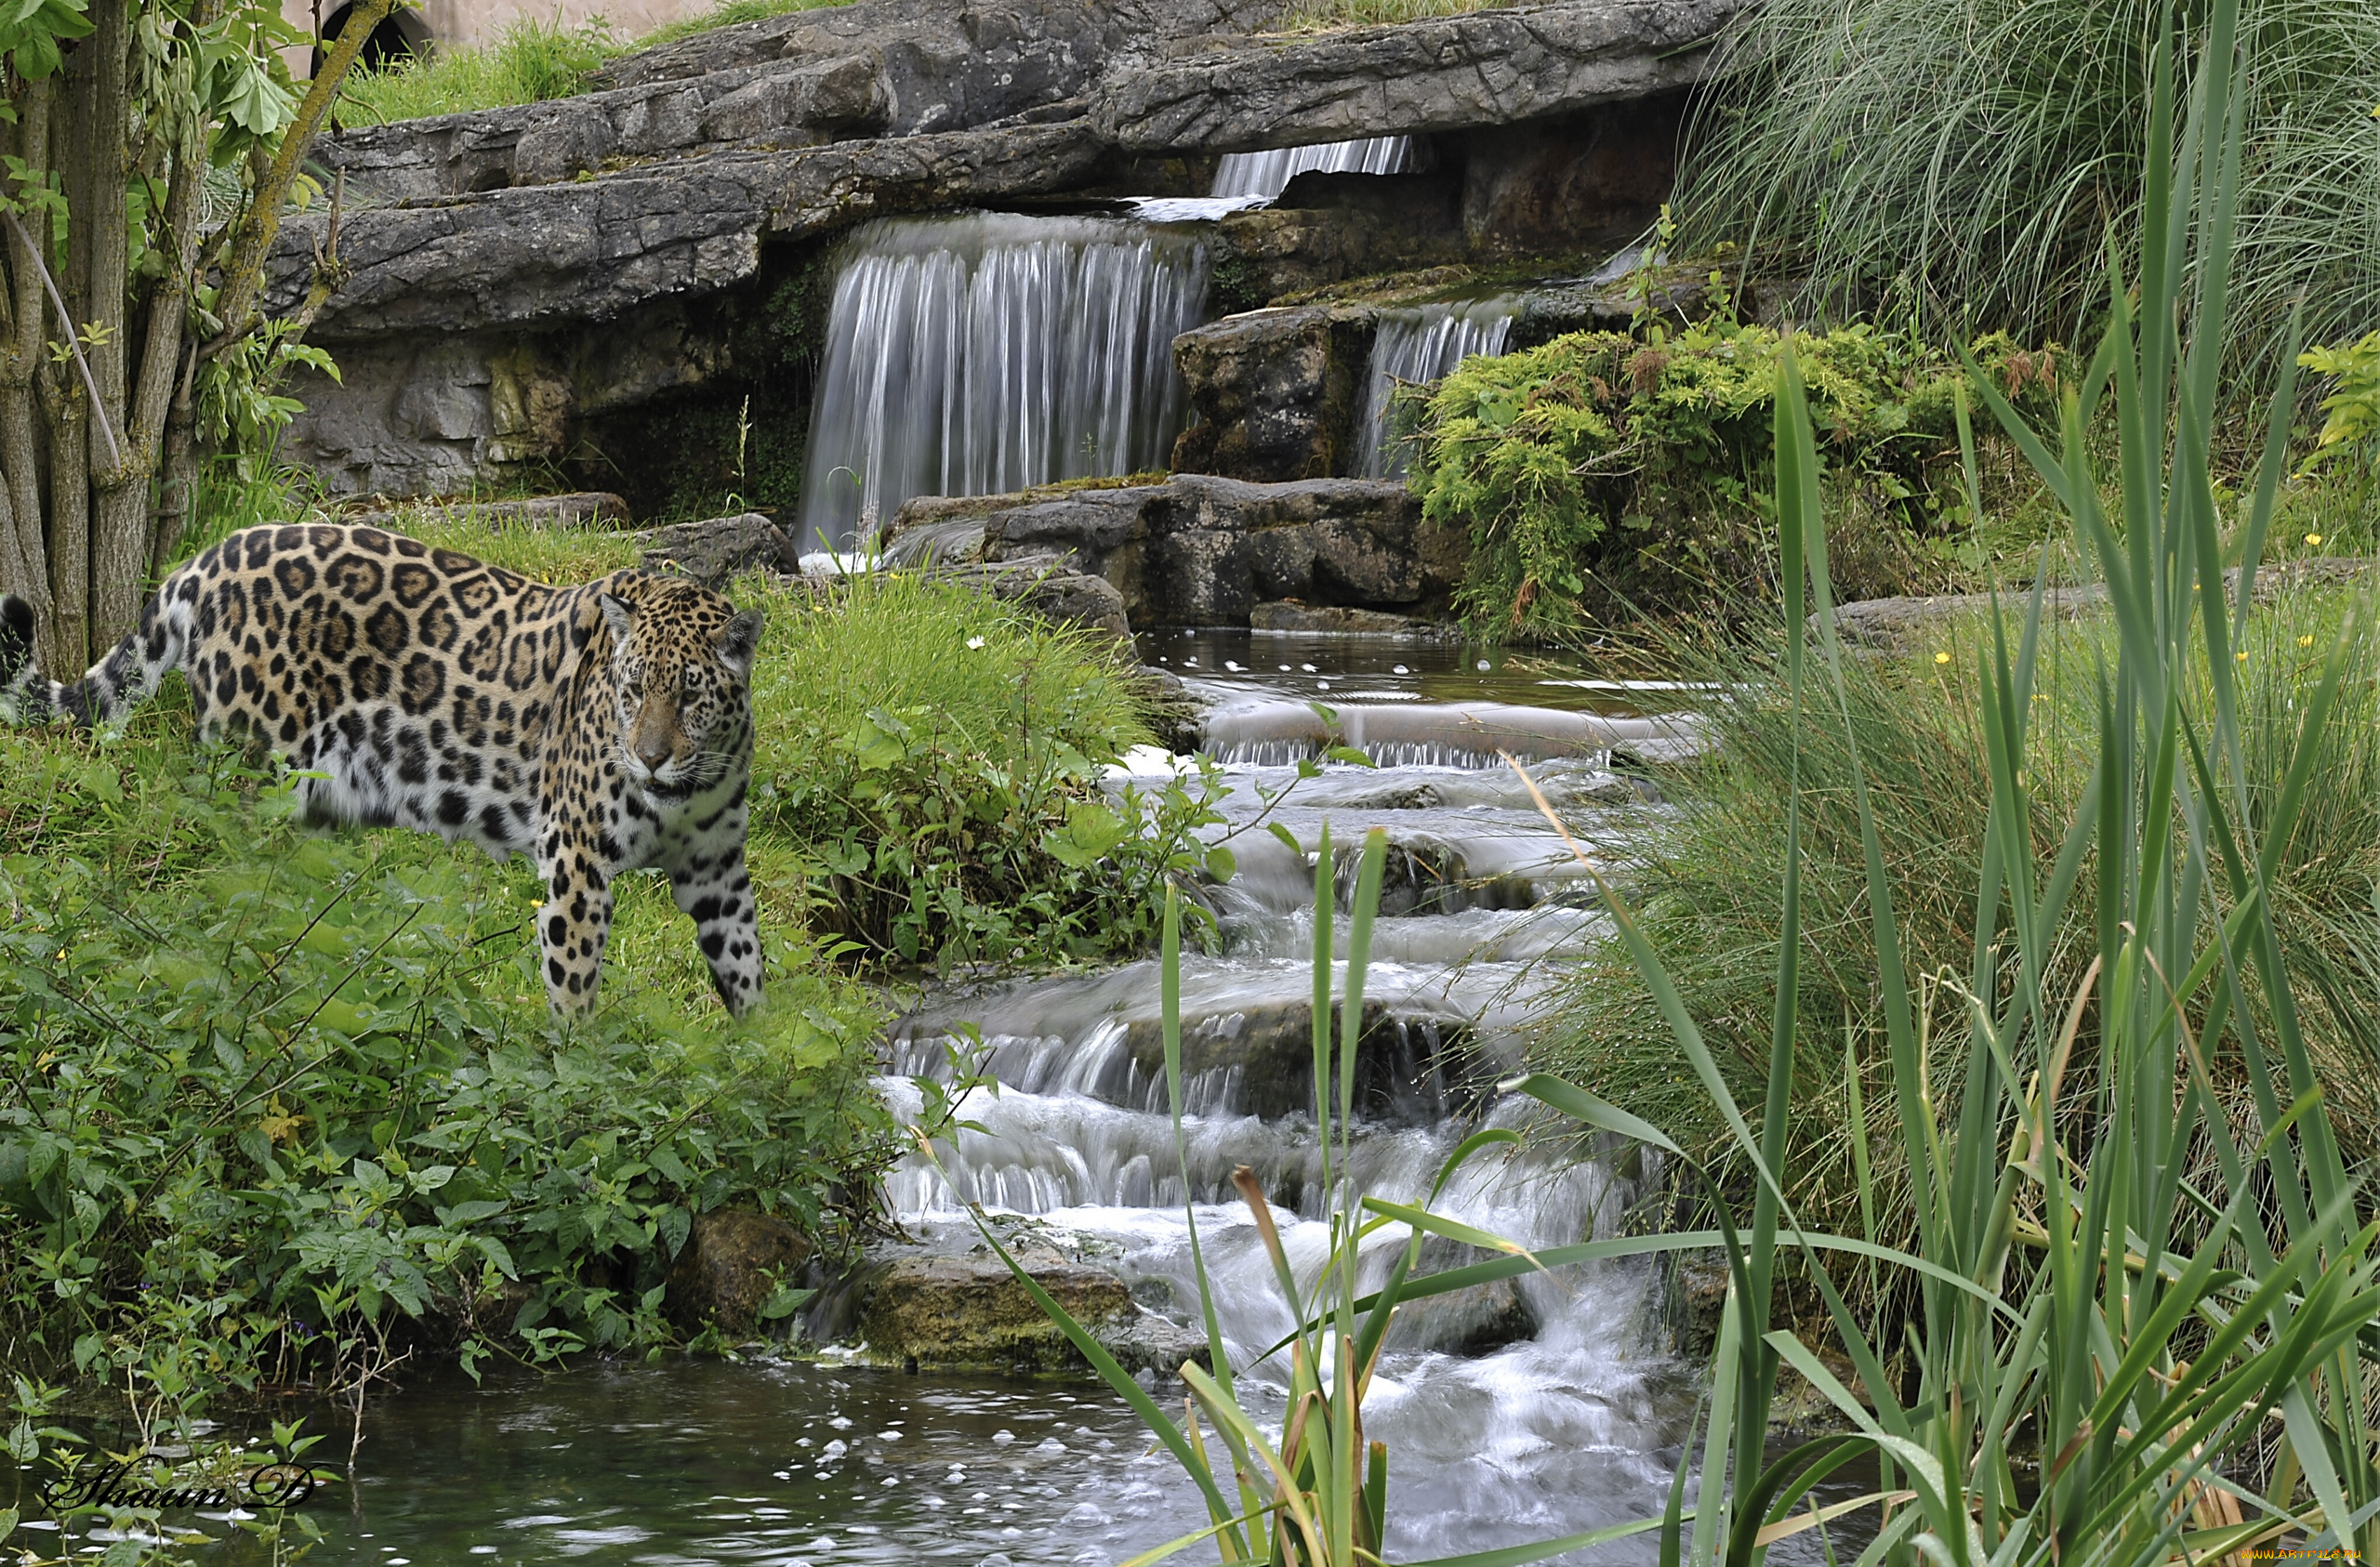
point(1416, 347)
point(1268, 174)
point(1539, 1406)
point(979, 354)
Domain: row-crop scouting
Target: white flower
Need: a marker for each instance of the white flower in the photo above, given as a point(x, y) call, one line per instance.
point(974, 642)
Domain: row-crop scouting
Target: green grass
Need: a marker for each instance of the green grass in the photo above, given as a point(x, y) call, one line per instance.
point(529, 62)
point(1712, 911)
point(2111, 1283)
point(1963, 163)
point(1319, 16)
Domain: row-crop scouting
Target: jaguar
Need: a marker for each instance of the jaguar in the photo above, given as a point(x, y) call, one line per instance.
point(599, 730)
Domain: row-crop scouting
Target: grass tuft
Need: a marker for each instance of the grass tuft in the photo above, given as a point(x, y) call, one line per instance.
point(1966, 162)
point(529, 62)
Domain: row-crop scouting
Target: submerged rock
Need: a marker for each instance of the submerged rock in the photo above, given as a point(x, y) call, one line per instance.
point(1308, 620)
point(730, 1265)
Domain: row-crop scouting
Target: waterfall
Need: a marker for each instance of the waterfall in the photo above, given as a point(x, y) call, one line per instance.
point(1421, 345)
point(978, 354)
point(1268, 174)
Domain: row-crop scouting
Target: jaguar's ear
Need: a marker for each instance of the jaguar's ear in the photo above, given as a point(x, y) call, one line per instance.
point(621, 619)
point(740, 641)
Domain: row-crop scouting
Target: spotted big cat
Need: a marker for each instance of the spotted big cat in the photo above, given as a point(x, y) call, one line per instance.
point(599, 729)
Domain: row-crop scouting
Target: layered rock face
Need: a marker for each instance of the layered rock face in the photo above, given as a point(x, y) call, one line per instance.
point(1206, 551)
point(1443, 74)
point(508, 280)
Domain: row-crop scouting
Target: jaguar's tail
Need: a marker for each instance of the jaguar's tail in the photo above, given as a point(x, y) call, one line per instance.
point(110, 688)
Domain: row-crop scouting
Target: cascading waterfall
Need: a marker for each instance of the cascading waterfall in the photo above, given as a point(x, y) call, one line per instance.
point(1421, 345)
point(982, 353)
point(1268, 174)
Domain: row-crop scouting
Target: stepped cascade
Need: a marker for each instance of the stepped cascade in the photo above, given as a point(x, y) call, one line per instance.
point(1512, 1412)
point(982, 353)
point(1268, 174)
point(1419, 345)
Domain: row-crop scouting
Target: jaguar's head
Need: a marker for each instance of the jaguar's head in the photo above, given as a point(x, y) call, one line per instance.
point(681, 668)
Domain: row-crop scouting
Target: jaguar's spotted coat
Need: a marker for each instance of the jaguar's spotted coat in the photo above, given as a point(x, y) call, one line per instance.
point(599, 729)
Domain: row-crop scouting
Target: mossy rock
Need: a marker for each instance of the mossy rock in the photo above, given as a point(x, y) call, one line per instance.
point(970, 1314)
point(730, 1266)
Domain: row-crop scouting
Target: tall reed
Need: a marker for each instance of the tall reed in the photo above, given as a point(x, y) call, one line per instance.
point(2142, 1328)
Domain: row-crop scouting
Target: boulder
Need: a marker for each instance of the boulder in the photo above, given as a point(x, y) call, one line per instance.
point(1258, 1060)
point(1279, 252)
point(1464, 1322)
point(971, 1312)
point(1051, 588)
point(716, 550)
point(1123, 27)
point(1205, 551)
point(591, 250)
point(876, 68)
point(731, 1264)
point(1277, 392)
point(1442, 73)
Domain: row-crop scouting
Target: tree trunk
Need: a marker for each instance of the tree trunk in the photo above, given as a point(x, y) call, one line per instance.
point(97, 387)
point(68, 405)
point(119, 471)
point(20, 365)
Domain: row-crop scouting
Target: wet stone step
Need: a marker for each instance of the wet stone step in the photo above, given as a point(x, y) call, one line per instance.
point(1474, 735)
point(1255, 1059)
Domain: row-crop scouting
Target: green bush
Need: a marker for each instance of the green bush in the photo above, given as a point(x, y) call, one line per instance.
point(271, 1102)
point(937, 754)
point(2351, 410)
point(265, 1090)
point(1603, 468)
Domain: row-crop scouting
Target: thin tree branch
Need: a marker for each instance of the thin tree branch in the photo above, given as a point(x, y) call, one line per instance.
point(74, 344)
point(243, 274)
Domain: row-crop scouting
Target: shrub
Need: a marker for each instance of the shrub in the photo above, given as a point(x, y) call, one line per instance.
point(938, 755)
point(266, 1091)
point(1605, 468)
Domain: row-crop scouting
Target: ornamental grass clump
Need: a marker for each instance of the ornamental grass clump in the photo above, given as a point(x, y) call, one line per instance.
point(1963, 161)
point(2141, 1310)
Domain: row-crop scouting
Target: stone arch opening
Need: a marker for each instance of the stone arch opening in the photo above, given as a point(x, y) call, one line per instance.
point(400, 36)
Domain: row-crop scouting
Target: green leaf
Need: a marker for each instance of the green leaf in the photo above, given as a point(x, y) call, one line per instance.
point(1221, 866)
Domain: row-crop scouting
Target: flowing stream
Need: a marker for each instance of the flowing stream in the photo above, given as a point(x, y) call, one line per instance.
point(1543, 1407)
point(1268, 174)
point(982, 353)
point(1415, 346)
